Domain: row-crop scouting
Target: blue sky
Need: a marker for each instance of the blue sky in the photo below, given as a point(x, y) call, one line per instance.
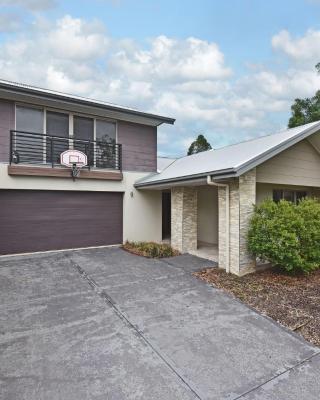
point(227, 69)
point(242, 28)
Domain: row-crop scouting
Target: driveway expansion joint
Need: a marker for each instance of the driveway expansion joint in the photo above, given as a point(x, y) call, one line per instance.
point(277, 376)
point(104, 296)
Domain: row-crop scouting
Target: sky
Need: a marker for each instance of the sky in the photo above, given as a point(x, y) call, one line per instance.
point(227, 69)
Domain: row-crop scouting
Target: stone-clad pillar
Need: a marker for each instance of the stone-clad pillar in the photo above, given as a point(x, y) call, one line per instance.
point(242, 200)
point(242, 197)
point(247, 199)
point(222, 217)
point(184, 218)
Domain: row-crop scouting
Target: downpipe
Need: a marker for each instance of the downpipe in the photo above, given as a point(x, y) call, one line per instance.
point(210, 182)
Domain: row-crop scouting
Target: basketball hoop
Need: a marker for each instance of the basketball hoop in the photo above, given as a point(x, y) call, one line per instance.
point(75, 160)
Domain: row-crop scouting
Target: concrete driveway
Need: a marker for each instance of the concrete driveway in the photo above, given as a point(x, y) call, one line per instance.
point(105, 324)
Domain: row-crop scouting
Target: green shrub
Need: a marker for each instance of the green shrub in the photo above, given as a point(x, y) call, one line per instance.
point(286, 234)
point(150, 249)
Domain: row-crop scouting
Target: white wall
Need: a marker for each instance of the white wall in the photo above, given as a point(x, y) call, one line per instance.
point(208, 214)
point(299, 165)
point(141, 212)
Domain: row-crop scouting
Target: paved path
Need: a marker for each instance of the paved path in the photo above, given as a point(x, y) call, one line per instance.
point(105, 324)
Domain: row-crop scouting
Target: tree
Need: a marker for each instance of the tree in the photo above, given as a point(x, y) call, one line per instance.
point(200, 144)
point(305, 110)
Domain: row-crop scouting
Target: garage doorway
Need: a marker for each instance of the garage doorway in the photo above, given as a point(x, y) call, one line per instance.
point(39, 220)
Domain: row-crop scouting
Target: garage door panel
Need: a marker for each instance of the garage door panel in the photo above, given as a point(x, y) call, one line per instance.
point(53, 220)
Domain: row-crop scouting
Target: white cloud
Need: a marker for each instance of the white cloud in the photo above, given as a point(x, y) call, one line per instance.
point(32, 5)
point(187, 79)
point(171, 59)
point(74, 39)
point(301, 49)
point(10, 22)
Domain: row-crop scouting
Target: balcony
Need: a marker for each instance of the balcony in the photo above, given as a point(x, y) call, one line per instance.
point(30, 150)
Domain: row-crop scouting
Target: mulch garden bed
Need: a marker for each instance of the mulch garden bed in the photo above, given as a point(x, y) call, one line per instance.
point(150, 249)
point(293, 301)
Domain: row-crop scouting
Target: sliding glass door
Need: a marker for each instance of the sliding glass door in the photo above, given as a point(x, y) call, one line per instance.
point(28, 142)
point(57, 126)
point(83, 130)
point(106, 151)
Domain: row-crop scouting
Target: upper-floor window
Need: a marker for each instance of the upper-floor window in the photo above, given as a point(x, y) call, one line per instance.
point(105, 131)
point(83, 128)
point(93, 136)
point(105, 140)
point(57, 124)
point(83, 131)
point(290, 195)
point(29, 119)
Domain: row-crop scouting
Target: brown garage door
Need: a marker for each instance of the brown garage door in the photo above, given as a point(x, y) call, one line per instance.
point(36, 220)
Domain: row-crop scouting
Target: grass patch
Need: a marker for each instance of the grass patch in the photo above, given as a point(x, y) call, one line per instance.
point(150, 249)
point(293, 301)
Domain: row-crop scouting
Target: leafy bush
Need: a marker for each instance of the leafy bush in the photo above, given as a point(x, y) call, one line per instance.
point(150, 249)
point(287, 234)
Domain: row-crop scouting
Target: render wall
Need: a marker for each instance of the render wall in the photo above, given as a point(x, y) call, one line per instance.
point(142, 211)
point(299, 165)
point(208, 214)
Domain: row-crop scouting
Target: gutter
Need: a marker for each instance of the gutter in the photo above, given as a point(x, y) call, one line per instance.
point(221, 174)
point(210, 182)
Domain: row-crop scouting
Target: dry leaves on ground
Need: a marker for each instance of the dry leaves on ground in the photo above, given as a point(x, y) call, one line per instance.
point(293, 301)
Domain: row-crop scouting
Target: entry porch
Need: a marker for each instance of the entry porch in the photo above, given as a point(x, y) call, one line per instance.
point(210, 219)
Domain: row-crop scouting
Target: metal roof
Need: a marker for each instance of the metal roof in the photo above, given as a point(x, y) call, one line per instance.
point(164, 162)
point(52, 94)
point(230, 161)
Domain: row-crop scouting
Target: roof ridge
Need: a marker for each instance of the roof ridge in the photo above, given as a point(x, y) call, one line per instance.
point(264, 136)
point(249, 140)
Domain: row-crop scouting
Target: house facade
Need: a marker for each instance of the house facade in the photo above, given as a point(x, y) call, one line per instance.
point(201, 203)
point(213, 193)
point(41, 207)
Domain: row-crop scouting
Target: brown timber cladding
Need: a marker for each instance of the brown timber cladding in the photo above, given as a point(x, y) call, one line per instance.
point(139, 147)
point(36, 220)
point(21, 170)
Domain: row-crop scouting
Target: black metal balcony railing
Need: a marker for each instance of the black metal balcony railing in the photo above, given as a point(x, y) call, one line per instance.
point(36, 148)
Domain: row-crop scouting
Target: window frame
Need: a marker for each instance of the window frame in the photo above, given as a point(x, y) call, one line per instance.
point(71, 114)
point(105, 120)
point(293, 191)
point(32, 106)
